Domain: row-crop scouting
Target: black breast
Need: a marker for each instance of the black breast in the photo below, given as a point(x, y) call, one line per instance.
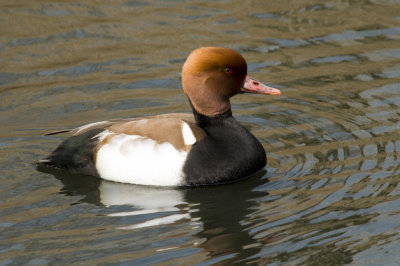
point(229, 152)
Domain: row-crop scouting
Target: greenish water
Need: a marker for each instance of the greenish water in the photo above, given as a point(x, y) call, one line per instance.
point(330, 193)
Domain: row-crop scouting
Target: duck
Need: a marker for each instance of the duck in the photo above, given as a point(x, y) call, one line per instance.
point(207, 147)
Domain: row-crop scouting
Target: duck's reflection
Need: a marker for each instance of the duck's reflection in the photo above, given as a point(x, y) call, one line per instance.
point(218, 212)
point(223, 211)
point(147, 200)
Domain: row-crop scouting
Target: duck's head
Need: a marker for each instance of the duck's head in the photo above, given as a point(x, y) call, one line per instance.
point(211, 75)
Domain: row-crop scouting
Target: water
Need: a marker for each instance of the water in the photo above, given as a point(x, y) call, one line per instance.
point(330, 193)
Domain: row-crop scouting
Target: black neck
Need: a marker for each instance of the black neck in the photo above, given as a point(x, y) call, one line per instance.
point(203, 120)
point(229, 151)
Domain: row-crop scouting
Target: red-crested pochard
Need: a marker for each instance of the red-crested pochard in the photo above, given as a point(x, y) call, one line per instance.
point(206, 148)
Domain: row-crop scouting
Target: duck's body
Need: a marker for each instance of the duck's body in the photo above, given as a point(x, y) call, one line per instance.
point(208, 147)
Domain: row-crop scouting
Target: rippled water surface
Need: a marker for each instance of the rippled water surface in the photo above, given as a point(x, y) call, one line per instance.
point(330, 194)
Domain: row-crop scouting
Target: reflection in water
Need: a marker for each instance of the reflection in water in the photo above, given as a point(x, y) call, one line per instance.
point(218, 210)
point(148, 200)
point(222, 211)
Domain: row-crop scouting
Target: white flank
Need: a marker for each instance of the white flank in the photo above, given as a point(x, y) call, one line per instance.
point(137, 160)
point(187, 133)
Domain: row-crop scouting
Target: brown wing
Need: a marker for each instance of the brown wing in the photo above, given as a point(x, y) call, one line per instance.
point(161, 128)
point(105, 124)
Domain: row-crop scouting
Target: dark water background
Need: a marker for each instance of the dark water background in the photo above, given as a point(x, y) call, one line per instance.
point(330, 194)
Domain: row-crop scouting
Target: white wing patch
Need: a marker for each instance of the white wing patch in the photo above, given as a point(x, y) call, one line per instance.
point(187, 134)
point(138, 160)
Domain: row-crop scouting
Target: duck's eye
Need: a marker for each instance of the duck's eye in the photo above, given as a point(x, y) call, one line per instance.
point(228, 70)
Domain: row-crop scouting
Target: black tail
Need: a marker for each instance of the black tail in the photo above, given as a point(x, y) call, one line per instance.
point(75, 154)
